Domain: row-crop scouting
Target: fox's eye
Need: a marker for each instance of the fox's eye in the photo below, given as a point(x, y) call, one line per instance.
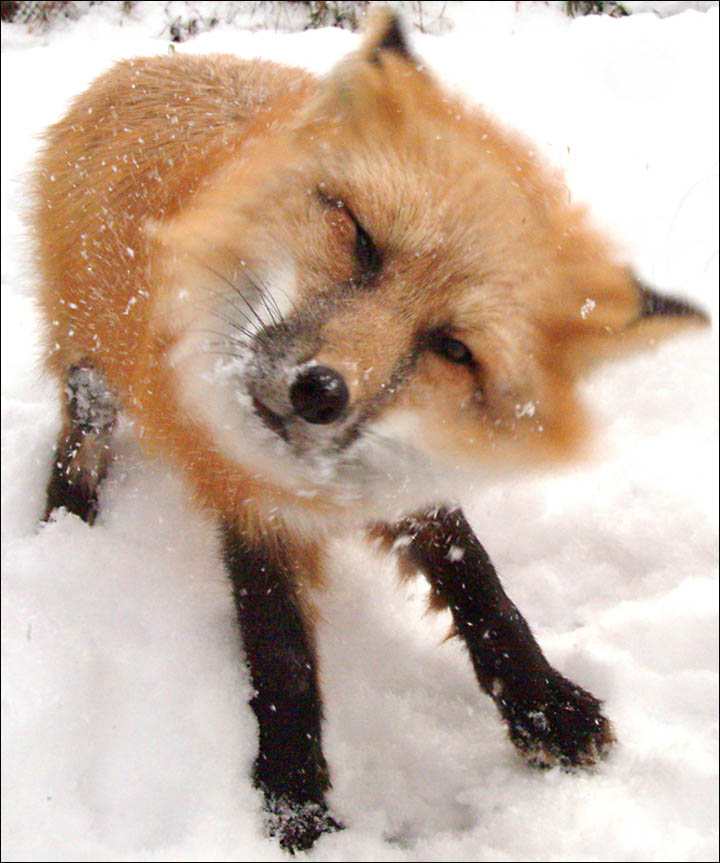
point(367, 255)
point(453, 350)
point(343, 222)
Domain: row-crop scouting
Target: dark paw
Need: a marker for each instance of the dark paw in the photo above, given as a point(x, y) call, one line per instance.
point(561, 724)
point(75, 497)
point(297, 825)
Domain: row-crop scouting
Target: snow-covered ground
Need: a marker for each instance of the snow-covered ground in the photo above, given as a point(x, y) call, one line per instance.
point(125, 728)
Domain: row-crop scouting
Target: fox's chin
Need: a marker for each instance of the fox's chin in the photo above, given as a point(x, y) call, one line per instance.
point(375, 473)
point(378, 475)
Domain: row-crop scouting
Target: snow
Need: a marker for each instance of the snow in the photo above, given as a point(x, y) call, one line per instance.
point(126, 733)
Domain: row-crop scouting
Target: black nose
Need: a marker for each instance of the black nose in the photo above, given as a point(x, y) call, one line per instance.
point(319, 394)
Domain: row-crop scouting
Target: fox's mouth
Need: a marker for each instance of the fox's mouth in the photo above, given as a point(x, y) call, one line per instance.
point(272, 420)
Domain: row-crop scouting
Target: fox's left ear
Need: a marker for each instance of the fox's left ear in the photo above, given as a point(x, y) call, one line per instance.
point(377, 87)
point(384, 34)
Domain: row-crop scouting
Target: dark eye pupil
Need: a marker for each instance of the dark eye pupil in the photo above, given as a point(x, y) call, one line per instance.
point(366, 253)
point(454, 350)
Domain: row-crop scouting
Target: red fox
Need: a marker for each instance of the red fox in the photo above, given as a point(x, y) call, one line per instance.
point(327, 302)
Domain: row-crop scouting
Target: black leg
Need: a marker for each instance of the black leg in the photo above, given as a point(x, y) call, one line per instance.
point(549, 718)
point(290, 768)
point(83, 449)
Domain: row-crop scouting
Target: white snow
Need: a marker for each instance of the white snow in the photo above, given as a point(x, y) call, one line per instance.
point(126, 733)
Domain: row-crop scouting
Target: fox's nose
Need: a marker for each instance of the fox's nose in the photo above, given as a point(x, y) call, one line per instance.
point(319, 394)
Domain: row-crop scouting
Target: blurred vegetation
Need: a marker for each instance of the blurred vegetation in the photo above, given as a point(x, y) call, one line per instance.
point(192, 17)
point(197, 17)
point(595, 7)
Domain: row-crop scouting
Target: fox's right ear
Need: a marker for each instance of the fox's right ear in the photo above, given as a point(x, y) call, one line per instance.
point(631, 317)
point(654, 305)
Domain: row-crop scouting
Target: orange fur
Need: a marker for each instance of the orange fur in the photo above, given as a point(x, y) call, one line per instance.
point(172, 172)
point(327, 302)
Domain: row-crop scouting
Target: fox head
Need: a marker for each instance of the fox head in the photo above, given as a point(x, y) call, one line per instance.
point(400, 289)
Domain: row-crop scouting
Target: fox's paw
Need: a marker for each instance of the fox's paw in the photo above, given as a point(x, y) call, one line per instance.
point(297, 825)
point(563, 727)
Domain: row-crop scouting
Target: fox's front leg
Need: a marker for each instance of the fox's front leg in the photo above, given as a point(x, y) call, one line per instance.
point(83, 450)
point(550, 719)
point(290, 768)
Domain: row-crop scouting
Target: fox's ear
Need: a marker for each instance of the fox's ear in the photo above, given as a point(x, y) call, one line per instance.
point(656, 306)
point(602, 310)
point(384, 33)
point(658, 317)
point(377, 87)
point(626, 320)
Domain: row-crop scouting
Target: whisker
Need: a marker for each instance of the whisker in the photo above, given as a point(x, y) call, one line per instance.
point(259, 284)
point(248, 313)
point(226, 299)
point(221, 316)
point(250, 337)
point(206, 305)
point(218, 353)
point(265, 296)
point(237, 291)
point(227, 336)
